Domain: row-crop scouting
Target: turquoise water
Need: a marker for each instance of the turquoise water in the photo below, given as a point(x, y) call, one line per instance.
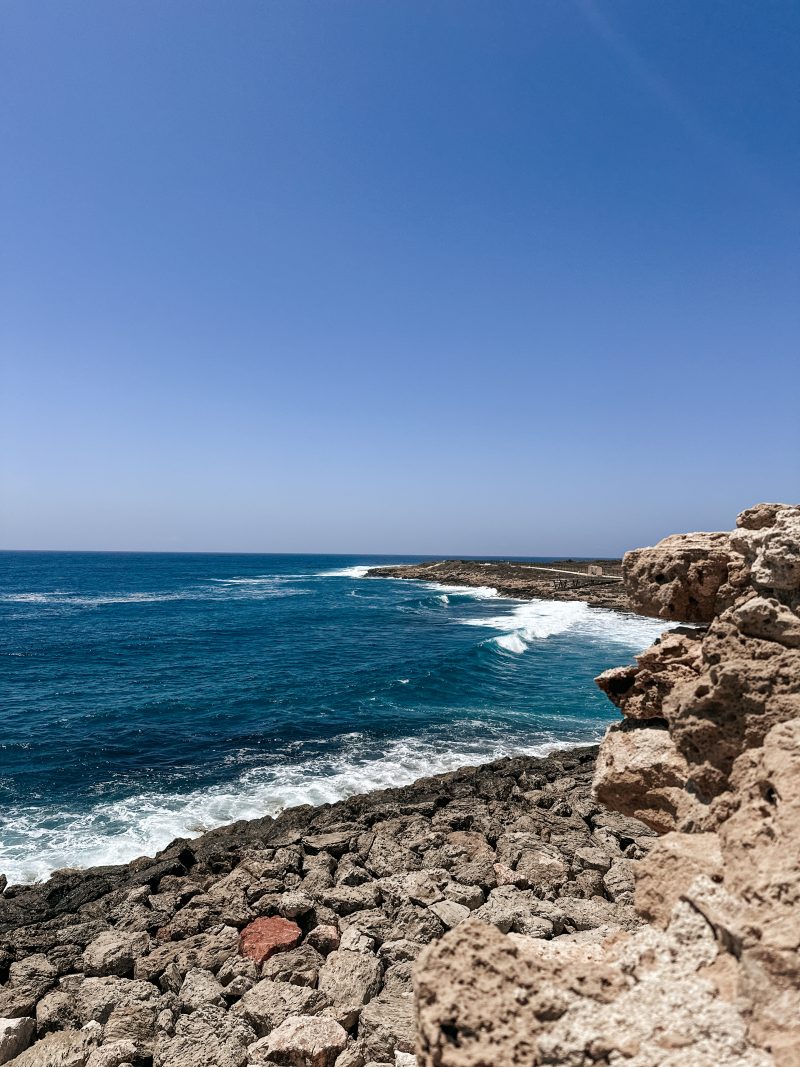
point(150, 696)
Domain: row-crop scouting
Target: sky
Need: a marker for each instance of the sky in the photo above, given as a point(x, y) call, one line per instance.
point(447, 277)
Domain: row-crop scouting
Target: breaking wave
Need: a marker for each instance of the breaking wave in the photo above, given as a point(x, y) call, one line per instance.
point(37, 842)
point(535, 620)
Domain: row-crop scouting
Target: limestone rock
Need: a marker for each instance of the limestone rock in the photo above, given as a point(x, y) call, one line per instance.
point(114, 953)
point(269, 1003)
point(324, 939)
point(200, 988)
point(209, 1037)
point(666, 873)
point(709, 754)
point(115, 1054)
point(680, 578)
point(209, 951)
point(68, 1048)
point(15, 1036)
point(387, 1024)
point(300, 966)
point(304, 1041)
point(484, 998)
point(28, 981)
point(450, 913)
point(349, 980)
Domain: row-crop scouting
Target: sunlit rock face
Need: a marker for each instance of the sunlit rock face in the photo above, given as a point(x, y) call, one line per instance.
point(708, 755)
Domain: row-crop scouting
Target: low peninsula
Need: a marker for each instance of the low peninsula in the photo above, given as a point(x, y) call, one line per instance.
point(597, 581)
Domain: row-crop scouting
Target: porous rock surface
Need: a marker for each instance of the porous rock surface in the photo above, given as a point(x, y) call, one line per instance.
point(292, 940)
point(708, 755)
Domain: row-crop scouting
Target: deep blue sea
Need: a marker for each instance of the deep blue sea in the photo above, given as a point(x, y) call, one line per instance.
point(150, 696)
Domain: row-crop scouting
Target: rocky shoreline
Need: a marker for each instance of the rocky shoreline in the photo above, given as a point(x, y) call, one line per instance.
point(292, 940)
point(636, 904)
point(520, 580)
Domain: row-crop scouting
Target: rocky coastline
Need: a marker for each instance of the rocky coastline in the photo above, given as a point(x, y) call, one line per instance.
point(636, 904)
point(524, 581)
point(292, 940)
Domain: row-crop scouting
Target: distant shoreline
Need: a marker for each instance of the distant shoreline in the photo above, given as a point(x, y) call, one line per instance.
point(562, 580)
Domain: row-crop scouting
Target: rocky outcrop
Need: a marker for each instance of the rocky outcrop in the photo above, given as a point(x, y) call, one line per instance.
point(707, 754)
point(292, 940)
point(522, 581)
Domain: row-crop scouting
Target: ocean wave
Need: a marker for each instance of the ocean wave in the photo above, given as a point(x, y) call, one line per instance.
point(254, 589)
point(360, 570)
point(348, 572)
point(534, 620)
point(57, 597)
point(258, 580)
point(476, 592)
point(37, 841)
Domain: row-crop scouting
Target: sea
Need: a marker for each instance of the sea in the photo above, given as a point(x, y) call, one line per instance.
point(148, 696)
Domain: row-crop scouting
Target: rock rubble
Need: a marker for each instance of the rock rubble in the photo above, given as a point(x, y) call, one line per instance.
point(293, 940)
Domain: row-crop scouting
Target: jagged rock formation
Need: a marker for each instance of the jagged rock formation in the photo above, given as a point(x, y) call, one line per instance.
point(708, 753)
point(291, 941)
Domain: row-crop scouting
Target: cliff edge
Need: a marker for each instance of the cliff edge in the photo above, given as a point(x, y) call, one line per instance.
point(708, 755)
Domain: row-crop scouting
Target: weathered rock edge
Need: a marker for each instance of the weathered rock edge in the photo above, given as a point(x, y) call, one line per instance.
point(292, 940)
point(708, 754)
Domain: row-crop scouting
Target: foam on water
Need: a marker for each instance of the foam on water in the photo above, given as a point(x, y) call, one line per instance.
point(476, 592)
point(347, 572)
point(534, 620)
point(252, 588)
point(35, 843)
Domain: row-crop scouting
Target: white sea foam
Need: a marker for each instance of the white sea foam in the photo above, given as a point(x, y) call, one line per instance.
point(37, 842)
point(535, 620)
point(477, 592)
point(255, 588)
point(347, 572)
point(511, 642)
point(359, 571)
point(263, 579)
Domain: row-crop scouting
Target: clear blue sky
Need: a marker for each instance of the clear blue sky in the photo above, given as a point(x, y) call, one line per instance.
point(397, 276)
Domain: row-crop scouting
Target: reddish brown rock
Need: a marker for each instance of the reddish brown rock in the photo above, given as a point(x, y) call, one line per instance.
point(264, 937)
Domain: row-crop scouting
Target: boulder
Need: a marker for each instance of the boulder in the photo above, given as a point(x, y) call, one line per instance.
point(208, 951)
point(209, 1037)
point(449, 913)
point(114, 953)
point(68, 1048)
point(200, 988)
point(264, 937)
point(269, 1003)
point(324, 939)
point(300, 966)
point(28, 981)
point(349, 980)
point(115, 1054)
point(302, 1041)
